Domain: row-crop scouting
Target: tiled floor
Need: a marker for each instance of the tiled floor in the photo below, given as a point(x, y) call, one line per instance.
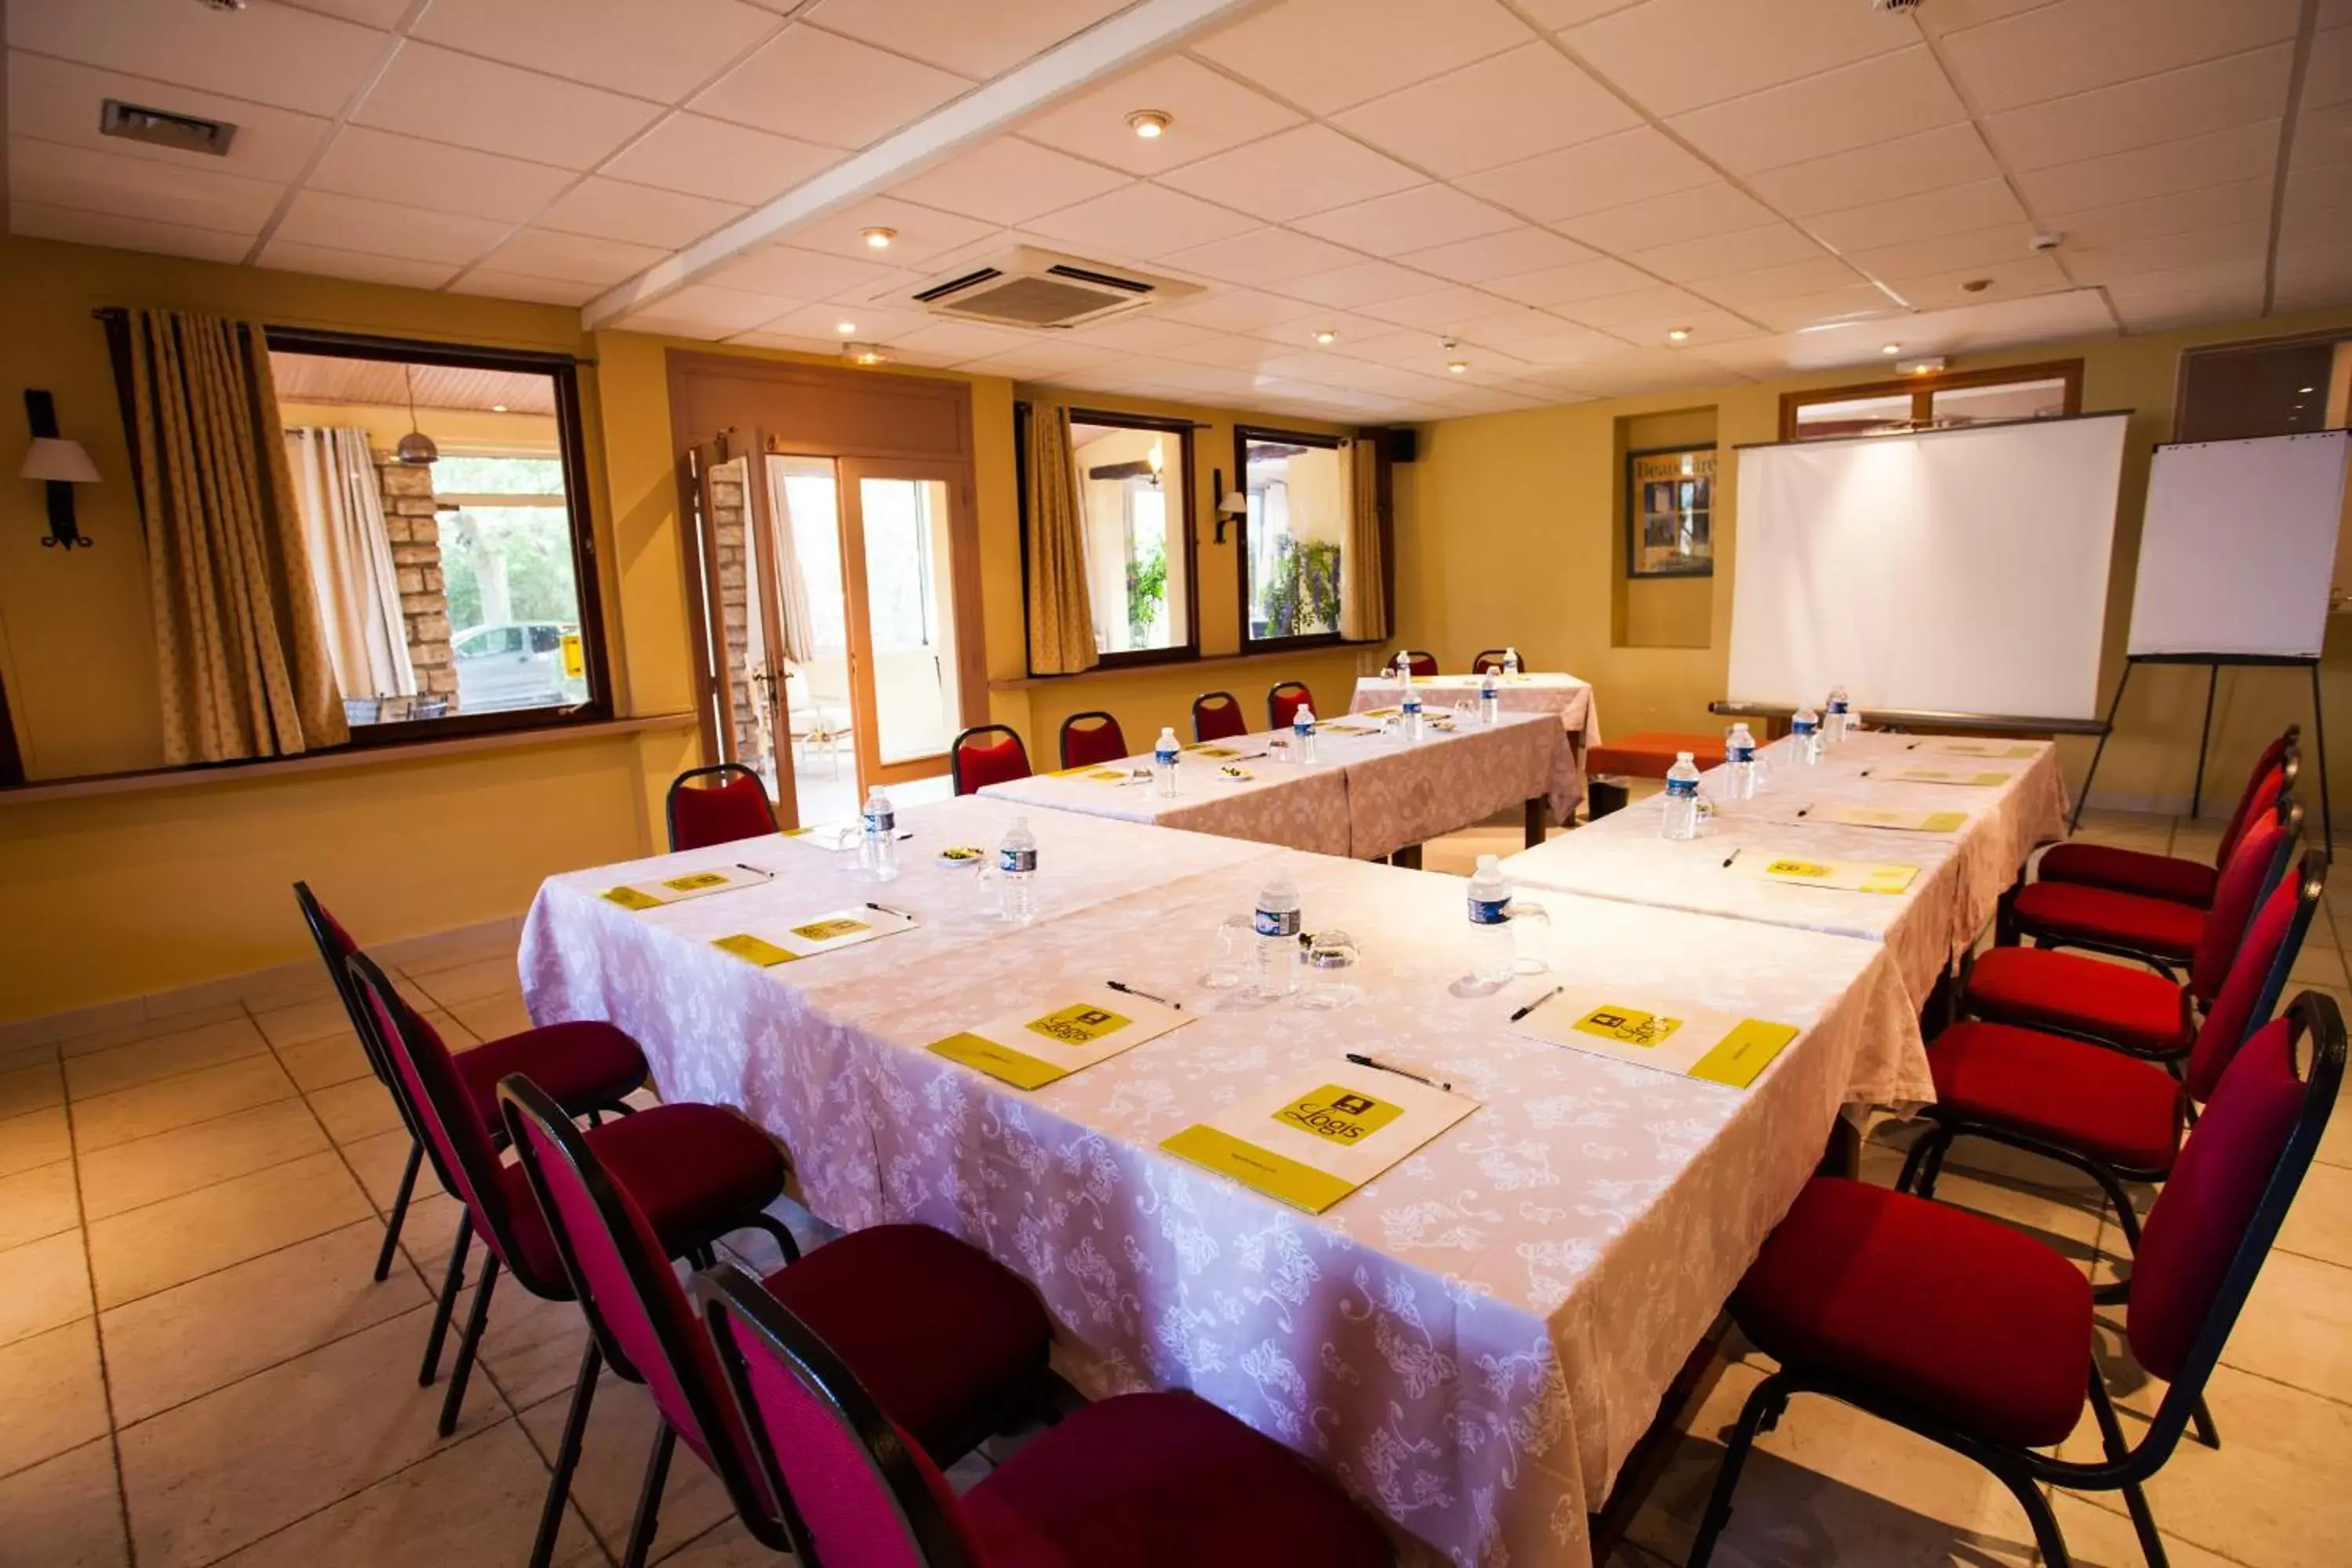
point(194, 1362)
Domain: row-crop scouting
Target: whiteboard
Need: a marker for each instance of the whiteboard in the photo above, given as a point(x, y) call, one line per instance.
point(1958, 570)
point(2239, 549)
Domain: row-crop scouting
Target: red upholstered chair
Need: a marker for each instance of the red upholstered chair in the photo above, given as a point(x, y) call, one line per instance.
point(2130, 1009)
point(2171, 877)
point(1490, 659)
point(1091, 739)
point(590, 1067)
point(987, 754)
point(1217, 717)
point(1284, 702)
point(1979, 1337)
point(1422, 665)
point(951, 1342)
point(700, 1170)
point(733, 806)
point(1142, 1480)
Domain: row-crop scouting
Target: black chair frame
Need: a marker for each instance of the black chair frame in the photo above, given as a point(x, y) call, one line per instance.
point(724, 772)
point(1076, 718)
point(2319, 1027)
point(955, 749)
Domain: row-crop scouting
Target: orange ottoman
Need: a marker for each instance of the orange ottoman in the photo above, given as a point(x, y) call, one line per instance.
point(1644, 757)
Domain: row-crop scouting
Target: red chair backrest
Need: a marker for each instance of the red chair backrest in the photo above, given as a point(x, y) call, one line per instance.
point(2262, 789)
point(1090, 739)
point(1283, 703)
point(2258, 974)
point(2259, 858)
point(987, 754)
point(702, 814)
point(1422, 665)
point(1217, 717)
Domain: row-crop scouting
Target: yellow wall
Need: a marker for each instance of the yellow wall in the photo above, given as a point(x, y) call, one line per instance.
point(1510, 527)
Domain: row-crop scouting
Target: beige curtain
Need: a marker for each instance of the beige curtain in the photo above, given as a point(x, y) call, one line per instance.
point(358, 589)
point(1061, 617)
point(240, 650)
point(1363, 572)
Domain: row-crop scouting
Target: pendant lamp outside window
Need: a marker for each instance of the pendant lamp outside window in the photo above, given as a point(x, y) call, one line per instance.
point(417, 448)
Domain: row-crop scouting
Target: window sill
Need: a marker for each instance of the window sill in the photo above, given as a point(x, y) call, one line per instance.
point(1220, 661)
point(337, 761)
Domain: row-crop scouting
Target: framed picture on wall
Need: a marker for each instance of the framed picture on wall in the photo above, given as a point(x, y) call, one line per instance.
point(1670, 512)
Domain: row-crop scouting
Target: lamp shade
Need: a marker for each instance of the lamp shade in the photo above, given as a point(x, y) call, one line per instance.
point(54, 457)
point(1235, 504)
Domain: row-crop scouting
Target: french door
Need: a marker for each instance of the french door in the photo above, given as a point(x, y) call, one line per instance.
point(902, 569)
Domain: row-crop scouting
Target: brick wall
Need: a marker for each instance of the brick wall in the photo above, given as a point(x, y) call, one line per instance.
point(415, 534)
point(726, 516)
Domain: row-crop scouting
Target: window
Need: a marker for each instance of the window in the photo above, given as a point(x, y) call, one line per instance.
point(1293, 535)
point(1941, 400)
point(458, 591)
point(1134, 488)
point(2234, 391)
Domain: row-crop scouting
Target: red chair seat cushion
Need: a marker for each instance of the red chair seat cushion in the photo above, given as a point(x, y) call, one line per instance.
point(2069, 911)
point(1945, 1311)
point(583, 1065)
point(936, 1329)
point(1650, 754)
point(2116, 1109)
point(2036, 988)
point(2183, 881)
point(1164, 1480)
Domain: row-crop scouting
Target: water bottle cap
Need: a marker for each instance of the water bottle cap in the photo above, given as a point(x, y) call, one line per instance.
point(1681, 757)
point(1489, 863)
point(1305, 715)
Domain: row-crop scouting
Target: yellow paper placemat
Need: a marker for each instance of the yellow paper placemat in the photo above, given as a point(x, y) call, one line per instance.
point(1030, 1048)
point(1849, 876)
point(1314, 1141)
point(2004, 751)
point(755, 949)
point(774, 944)
point(1900, 821)
point(1946, 776)
point(1696, 1042)
point(654, 894)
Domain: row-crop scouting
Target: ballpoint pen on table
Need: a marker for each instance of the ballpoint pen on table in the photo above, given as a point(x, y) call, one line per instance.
point(1803, 809)
point(1362, 1060)
point(1727, 859)
point(1537, 1003)
point(888, 911)
point(1148, 996)
point(762, 872)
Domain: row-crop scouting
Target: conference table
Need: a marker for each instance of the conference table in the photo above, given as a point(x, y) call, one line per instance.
point(1473, 1339)
point(1370, 791)
point(1563, 696)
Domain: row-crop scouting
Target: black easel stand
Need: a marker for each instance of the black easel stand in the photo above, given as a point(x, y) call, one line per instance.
point(2213, 663)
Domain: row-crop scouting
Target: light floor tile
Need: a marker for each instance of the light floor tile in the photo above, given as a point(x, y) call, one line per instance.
point(328, 1060)
point(47, 1286)
point(66, 1513)
point(377, 1162)
point(35, 1087)
point(2296, 1327)
point(147, 1170)
point(168, 1243)
point(2319, 1223)
point(620, 1429)
point(35, 1138)
point(54, 1396)
point(726, 1545)
point(532, 1347)
point(493, 1018)
point(141, 1113)
point(308, 1020)
point(37, 1203)
point(358, 1109)
point(2098, 1539)
point(305, 1434)
point(166, 1056)
point(471, 982)
point(144, 1027)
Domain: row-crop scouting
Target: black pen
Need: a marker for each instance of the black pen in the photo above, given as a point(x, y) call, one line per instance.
point(888, 911)
point(1148, 996)
point(764, 875)
point(1249, 756)
point(1727, 859)
point(1865, 773)
point(1537, 1003)
point(1802, 809)
point(1364, 1062)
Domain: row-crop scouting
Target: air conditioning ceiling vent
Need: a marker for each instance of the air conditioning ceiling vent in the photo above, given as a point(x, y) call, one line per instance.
point(1039, 289)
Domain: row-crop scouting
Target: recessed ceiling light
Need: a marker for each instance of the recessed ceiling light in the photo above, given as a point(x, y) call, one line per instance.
point(1150, 124)
point(1326, 335)
point(2304, 391)
point(498, 408)
point(1458, 366)
point(1890, 348)
point(1678, 333)
point(879, 238)
point(847, 329)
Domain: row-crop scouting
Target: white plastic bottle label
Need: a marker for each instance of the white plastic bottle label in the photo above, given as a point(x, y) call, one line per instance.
point(1277, 923)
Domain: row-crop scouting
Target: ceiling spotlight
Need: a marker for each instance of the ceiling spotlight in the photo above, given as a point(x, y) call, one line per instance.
point(498, 408)
point(1890, 348)
point(847, 329)
point(1976, 285)
point(864, 354)
point(1458, 366)
point(878, 238)
point(1150, 124)
point(1678, 333)
point(2304, 391)
point(1326, 335)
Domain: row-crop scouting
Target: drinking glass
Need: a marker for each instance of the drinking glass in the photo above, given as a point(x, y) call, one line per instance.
point(1333, 970)
point(1525, 963)
point(1233, 953)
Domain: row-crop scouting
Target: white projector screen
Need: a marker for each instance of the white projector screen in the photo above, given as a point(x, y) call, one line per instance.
point(1944, 571)
point(2239, 551)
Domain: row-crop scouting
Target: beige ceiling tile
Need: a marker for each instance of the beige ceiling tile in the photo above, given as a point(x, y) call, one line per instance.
point(1325, 55)
point(515, 286)
point(367, 13)
point(2323, 136)
point(1142, 220)
point(1952, 16)
point(1667, 219)
point(1040, 361)
point(1874, 100)
point(1528, 100)
point(1514, 252)
point(1264, 257)
point(2201, 307)
point(2307, 191)
point(1954, 210)
point(703, 310)
point(1364, 283)
point(1673, 55)
point(383, 166)
point(1658, 302)
point(1707, 324)
point(793, 273)
point(1439, 310)
point(1560, 343)
point(974, 40)
point(1632, 165)
point(2211, 206)
point(640, 214)
point(1228, 309)
point(1789, 280)
point(368, 266)
point(2319, 228)
point(1633, 371)
point(52, 175)
point(2328, 74)
point(1739, 250)
point(2077, 45)
point(2234, 272)
point(1009, 181)
point(662, 52)
point(447, 97)
point(2216, 158)
point(796, 343)
point(270, 54)
point(1293, 174)
point(2161, 253)
point(1210, 113)
point(2001, 280)
point(926, 237)
point(827, 89)
point(1141, 332)
point(35, 220)
point(1928, 161)
point(964, 340)
point(865, 323)
point(1407, 350)
point(572, 257)
point(1995, 245)
point(1578, 281)
point(382, 229)
point(1231, 351)
point(1857, 302)
point(1425, 215)
point(2168, 107)
point(58, 100)
point(706, 157)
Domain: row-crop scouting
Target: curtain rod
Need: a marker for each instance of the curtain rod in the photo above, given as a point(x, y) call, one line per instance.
point(389, 348)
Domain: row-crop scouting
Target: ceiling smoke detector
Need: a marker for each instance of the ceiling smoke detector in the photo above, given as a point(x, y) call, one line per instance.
point(222, 4)
point(2048, 241)
point(1894, 4)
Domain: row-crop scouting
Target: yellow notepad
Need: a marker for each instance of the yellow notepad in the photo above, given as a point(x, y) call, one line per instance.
point(1312, 1143)
point(1946, 776)
point(2001, 751)
point(652, 895)
point(1030, 1048)
point(1848, 876)
point(806, 939)
point(1900, 821)
point(1696, 1042)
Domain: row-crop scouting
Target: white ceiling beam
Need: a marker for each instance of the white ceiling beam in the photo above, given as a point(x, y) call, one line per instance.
point(1133, 35)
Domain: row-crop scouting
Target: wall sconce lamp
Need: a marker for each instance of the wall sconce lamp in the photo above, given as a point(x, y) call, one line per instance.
point(59, 463)
point(1228, 507)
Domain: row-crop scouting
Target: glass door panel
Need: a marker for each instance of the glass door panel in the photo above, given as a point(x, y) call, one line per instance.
point(820, 712)
point(902, 614)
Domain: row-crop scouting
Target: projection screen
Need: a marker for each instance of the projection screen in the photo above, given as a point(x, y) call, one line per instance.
point(1956, 571)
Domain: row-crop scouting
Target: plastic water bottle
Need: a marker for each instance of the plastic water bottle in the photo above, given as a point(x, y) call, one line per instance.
point(1412, 710)
point(1839, 716)
point(1164, 752)
point(1746, 775)
point(1017, 874)
point(1277, 936)
point(1510, 661)
point(877, 852)
point(1302, 734)
point(1682, 798)
point(1805, 737)
point(1493, 951)
point(1401, 666)
point(1490, 700)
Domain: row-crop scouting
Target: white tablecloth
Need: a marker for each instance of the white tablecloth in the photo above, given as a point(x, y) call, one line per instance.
point(1472, 1342)
point(1563, 696)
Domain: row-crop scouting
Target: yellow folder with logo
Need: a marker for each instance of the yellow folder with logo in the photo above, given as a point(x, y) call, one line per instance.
point(1696, 1042)
point(655, 892)
point(775, 945)
point(1314, 1140)
point(1037, 1046)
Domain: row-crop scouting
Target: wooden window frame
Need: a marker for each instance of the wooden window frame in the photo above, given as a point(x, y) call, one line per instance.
point(1243, 436)
point(1923, 389)
point(1189, 650)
